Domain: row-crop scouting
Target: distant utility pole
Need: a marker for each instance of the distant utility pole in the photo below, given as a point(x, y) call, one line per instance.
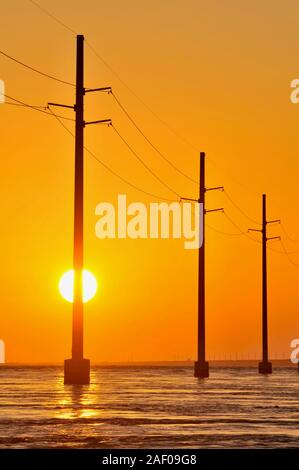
point(77, 369)
point(265, 367)
point(201, 366)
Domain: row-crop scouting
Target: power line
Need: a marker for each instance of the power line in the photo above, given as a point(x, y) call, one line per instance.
point(114, 173)
point(225, 233)
point(150, 142)
point(60, 122)
point(147, 193)
point(239, 208)
point(109, 67)
point(67, 27)
point(287, 235)
point(288, 255)
point(173, 131)
point(284, 252)
point(21, 103)
point(114, 96)
point(234, 180)
point(100, 57)
point(52, 16)
point(25, 105)
point(246, 234)
point(59, 118)
point(35, 70)
point(292, 252)
point(144, 164)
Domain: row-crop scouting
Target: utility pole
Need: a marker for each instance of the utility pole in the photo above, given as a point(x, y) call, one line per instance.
point(265, 367)
point(201, 366)
point(77, 369)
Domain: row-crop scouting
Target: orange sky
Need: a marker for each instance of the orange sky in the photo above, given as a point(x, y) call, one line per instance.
point(217, 72)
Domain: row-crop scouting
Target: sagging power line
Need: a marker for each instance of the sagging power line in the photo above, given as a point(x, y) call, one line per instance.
point(130, 89)
point(75, 374)
point(37, 71)
point(154, 147)
point(173, 191)
point(117, 76)
point(45, 109)
point(110, 170)
point(41, 109)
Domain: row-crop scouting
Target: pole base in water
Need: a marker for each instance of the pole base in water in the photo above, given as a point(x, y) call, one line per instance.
point(265, 367)
point(201, 369)
point(77, 371)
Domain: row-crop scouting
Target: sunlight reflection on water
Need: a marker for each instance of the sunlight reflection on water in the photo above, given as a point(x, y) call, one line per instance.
point(152, 407)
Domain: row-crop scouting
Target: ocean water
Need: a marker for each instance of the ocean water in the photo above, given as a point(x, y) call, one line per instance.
point(149, 407)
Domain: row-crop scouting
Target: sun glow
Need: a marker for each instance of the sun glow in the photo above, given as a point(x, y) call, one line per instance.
point(66, 285)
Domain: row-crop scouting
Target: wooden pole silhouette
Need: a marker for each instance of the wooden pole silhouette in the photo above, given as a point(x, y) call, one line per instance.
point(265, 367)
point(77, 347)
point(77, 369)
point(201, 366)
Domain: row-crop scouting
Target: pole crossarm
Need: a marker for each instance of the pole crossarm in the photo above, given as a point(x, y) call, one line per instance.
point(255, 230)
point(273, 238)
point(217, 188)
point(221, 209)
point(220, 188)
point(277, 221)
point(62, 105)
point(189, 199)
point(107, 89)
point(101, 121)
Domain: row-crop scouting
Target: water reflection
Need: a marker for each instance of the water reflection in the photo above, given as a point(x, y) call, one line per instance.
point(76, 401)
point(149, 407)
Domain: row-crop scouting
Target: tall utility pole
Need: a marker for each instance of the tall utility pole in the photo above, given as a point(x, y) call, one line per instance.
point(77, 369)
point(265, 367)
point(201, 366)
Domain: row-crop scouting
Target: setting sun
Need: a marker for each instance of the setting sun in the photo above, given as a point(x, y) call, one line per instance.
point(66, 285)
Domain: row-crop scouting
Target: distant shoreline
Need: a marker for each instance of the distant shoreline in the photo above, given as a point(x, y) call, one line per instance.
point(278, 363)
